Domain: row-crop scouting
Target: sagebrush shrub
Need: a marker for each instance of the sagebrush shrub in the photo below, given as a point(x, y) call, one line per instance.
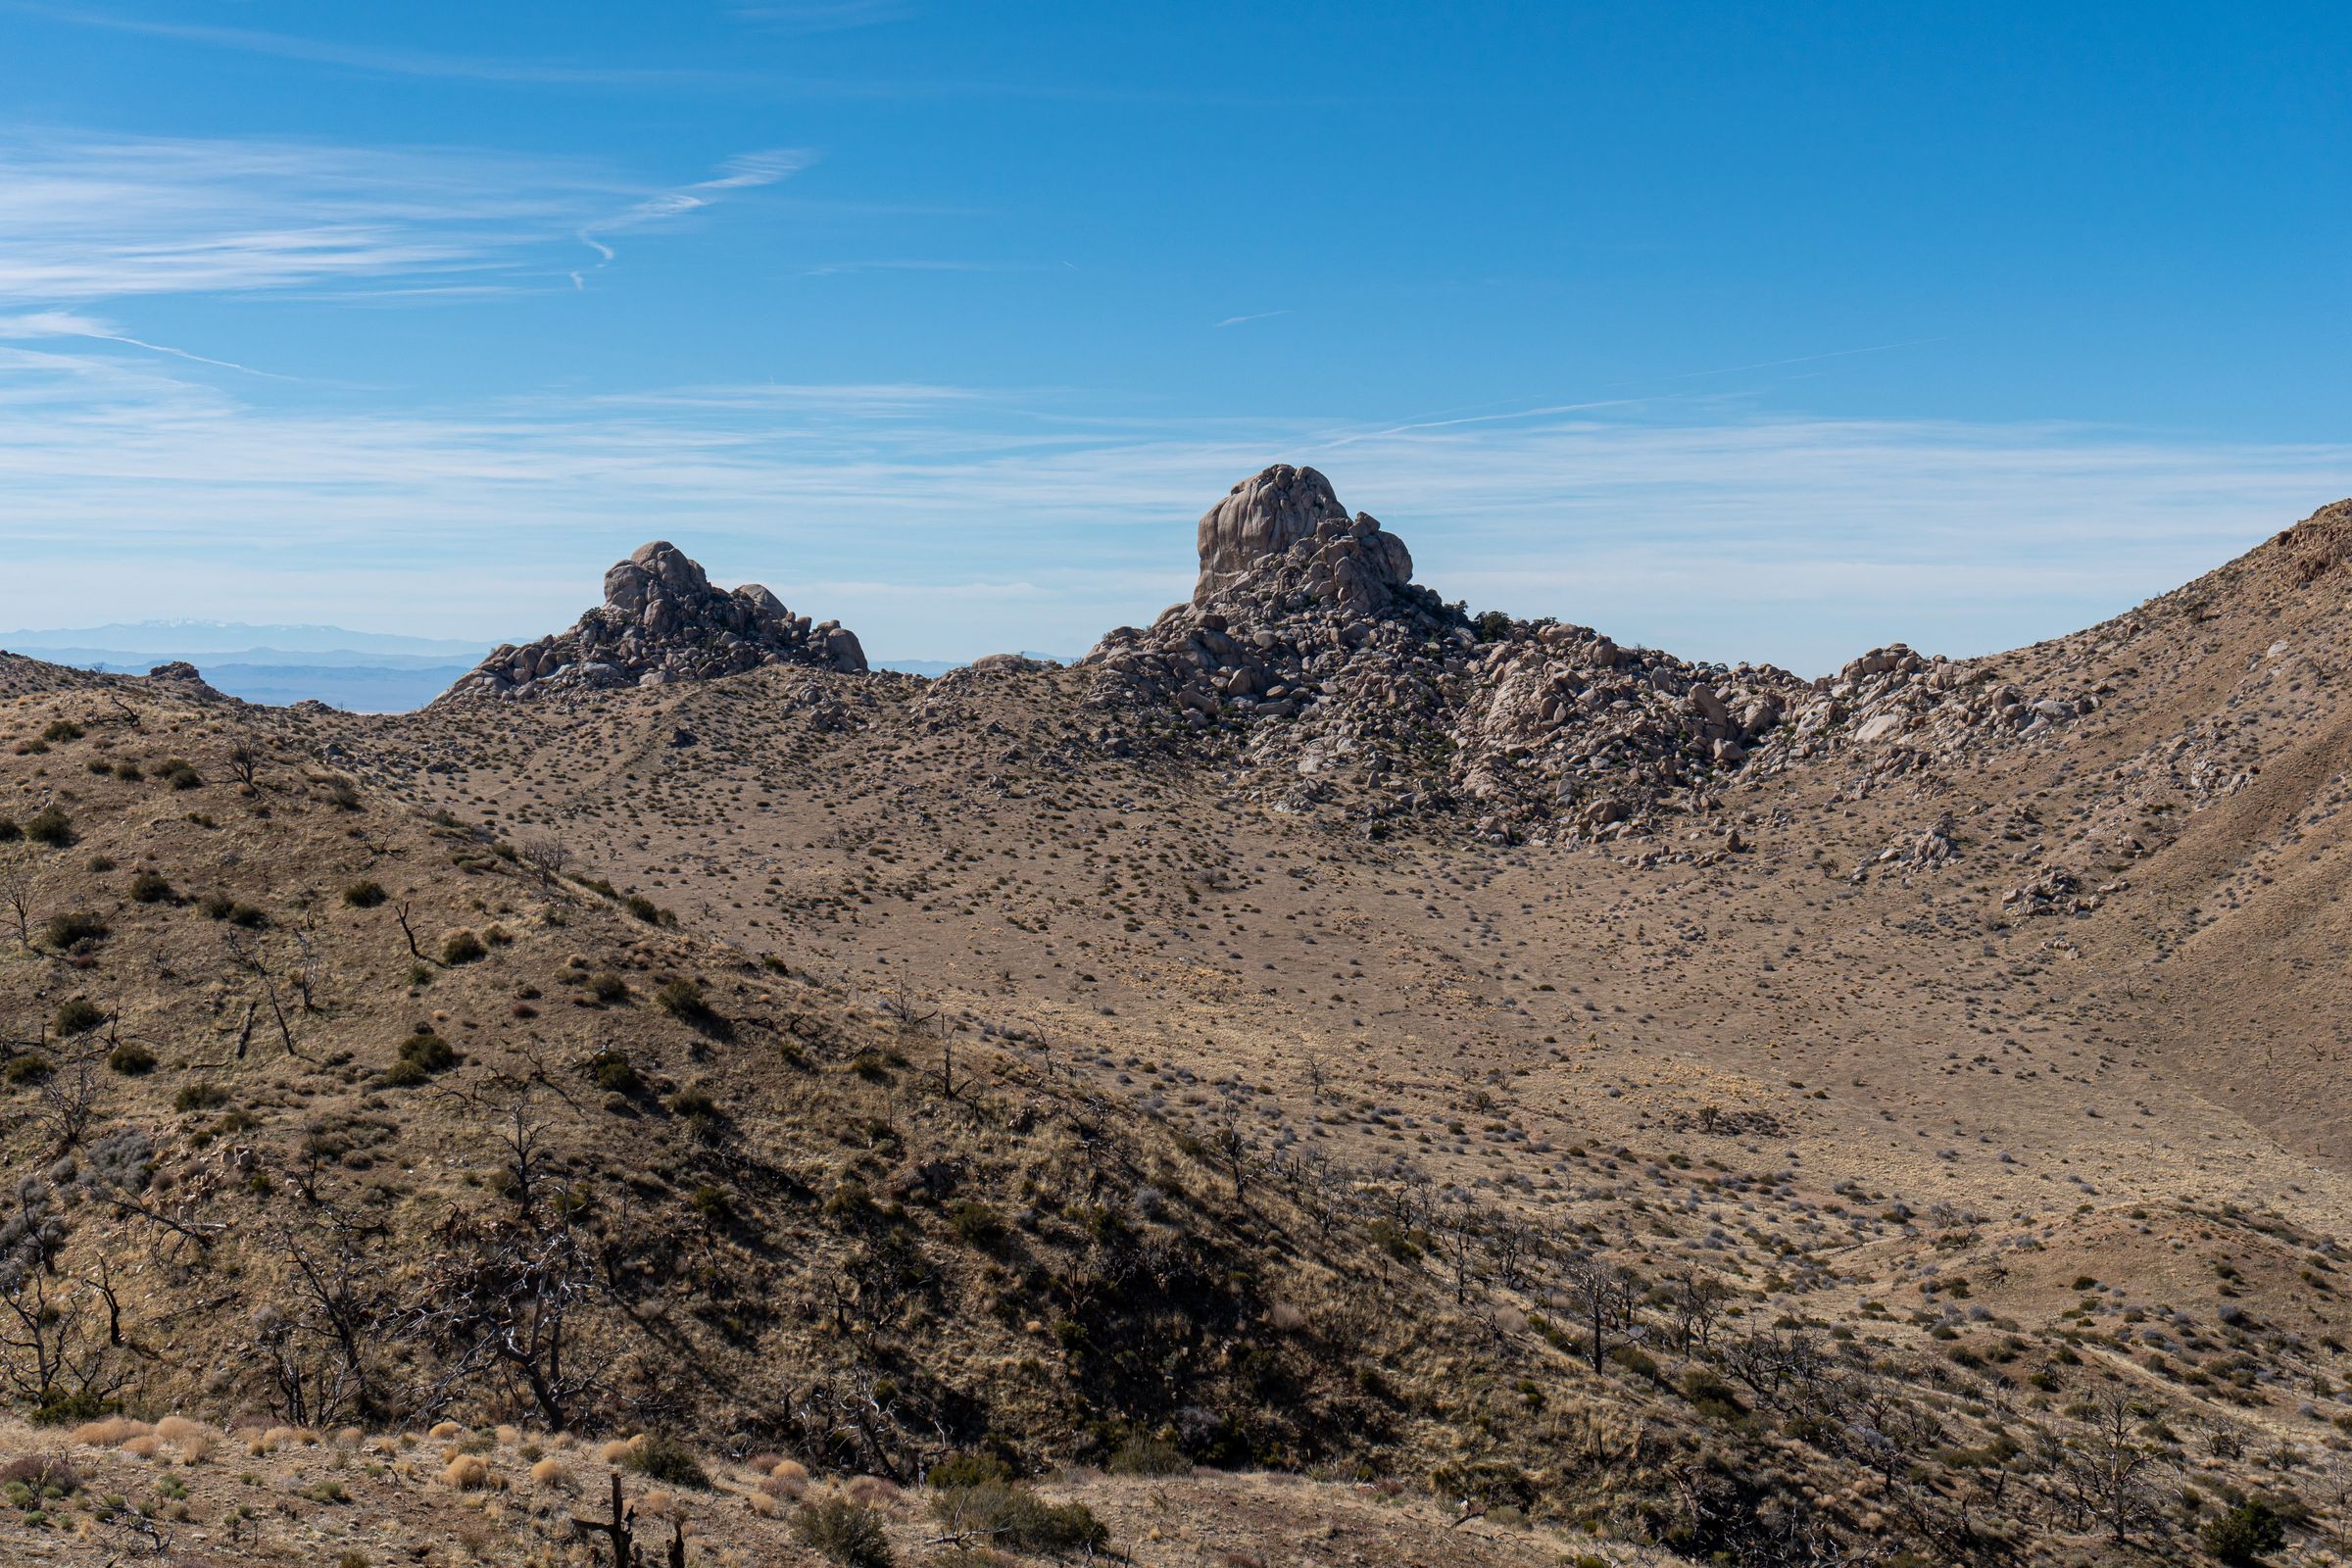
point(663, 1458)
point(66, 930)
point(131, 1060)
point(49, 827)
point(1146, 1455)
point(422, 1054)
point(683, 1000)
point(847, 1533)
point(1012, 1516)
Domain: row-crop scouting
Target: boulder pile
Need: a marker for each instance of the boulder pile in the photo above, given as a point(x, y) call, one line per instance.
point(662, 620)
point(1900, 710)
point(1565, 724)
point(1345, 683)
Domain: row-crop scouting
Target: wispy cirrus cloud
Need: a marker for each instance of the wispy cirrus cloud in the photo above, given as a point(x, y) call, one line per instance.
point(743, 172)
point(951, 520)
point(70, 323)
point(85, 218)
point(89, 217)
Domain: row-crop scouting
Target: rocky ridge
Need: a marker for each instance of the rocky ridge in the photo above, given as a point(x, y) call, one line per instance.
point(1902, 711)
point(1347, 683)
point(662, 620)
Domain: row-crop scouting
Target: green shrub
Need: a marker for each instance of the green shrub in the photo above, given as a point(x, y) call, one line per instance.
point(850, 1200)
point(214, 906)
point(131, 1060)
point(1390, 1238)
point(461, 946)
point(50, 826)
point(178, 773)
point(1712, 1396)
point(199, 1097)
point(663, 1458)
point(129, 771)
point(64, 729)
point(613, 1073)
point(64, 1407)
point(8, 831)
point(976, 1223)
point(683, 1000)
point(608, 987)
point(422, 1054)
point(149, 887)
point(251, 916)
point(969, 1470)
point(79, 1016)
point(29, 1068)
point(695, 1107)
point(2245, 1535)
point(1144, 1456)
point(66, 930)
point(849, 1532)
point(1633, 1359)
point(365, 895)
point(646, 910)
point(1010, 1515)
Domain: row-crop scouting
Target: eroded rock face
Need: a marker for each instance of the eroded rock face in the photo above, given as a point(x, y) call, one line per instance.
point(1263, 516)
point(662, 620)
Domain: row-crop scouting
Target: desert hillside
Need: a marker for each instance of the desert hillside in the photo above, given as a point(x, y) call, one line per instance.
point(1330, 1077)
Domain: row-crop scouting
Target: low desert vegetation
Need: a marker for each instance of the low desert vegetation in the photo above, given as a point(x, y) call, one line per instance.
point(1036, 1104)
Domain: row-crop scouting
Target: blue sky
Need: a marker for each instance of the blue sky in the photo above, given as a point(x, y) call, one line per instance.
point(1751, 331)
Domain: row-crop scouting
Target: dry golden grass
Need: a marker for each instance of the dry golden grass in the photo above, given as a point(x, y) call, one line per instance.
point(467, 1472)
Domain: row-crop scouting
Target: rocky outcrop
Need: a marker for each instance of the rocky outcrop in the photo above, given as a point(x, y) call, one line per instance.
point(1895, 710)
point(1348, 685)
point(186, 680)
point(1568, 724)
point(662, 620)
point(1262, 517)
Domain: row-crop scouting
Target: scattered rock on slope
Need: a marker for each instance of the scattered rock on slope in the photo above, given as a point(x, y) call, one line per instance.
point(662, 620)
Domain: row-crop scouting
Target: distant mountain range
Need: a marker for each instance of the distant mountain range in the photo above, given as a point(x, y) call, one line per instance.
point(361, 671)
point(364, 671)
point(186, 639)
